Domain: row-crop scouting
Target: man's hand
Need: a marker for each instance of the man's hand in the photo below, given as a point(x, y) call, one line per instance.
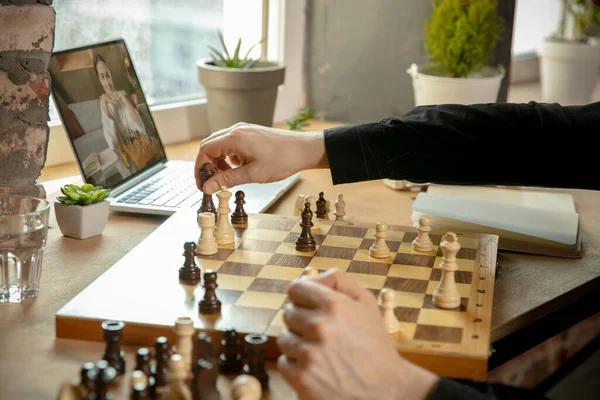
point(336, 346)
point(260, 154)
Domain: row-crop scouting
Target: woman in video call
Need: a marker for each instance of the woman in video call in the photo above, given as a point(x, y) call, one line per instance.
point(121, 121)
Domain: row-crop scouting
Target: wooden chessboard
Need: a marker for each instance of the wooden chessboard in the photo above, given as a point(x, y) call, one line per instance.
point(144, 291)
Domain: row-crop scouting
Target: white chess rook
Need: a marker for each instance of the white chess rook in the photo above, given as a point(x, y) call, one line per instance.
point(207, 244)
point(340, 208)
point(446, 295)
point(388, 303)
point(423, 242)
point(380, 249)
point(184, 330)
point(223, 231)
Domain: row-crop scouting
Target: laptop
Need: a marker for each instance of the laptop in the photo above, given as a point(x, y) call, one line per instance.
point(115, 141)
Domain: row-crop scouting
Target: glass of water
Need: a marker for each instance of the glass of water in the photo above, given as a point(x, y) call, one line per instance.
point(23, 234)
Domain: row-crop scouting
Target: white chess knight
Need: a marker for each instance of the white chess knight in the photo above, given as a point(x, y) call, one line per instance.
point(380, 249)
point(446, 294)
point(340, 208)
point(223, 231)
point(388, 304)
point(299, 205)
point(423, 242)
point(207, 244)
point(313, 204)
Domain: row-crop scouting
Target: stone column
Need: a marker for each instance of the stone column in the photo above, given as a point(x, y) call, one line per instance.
point(26, 43)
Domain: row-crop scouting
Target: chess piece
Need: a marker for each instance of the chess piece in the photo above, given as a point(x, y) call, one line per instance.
point(321, 206)
point(379, 249)
point(207, 204)
point(204, 383)
point(223, 231)
point(205, 348)
point(139, 386)
point(86, 384)
point(184, 330)
point(207, 244)
point(230, 361)
point(142, 361)
point(189, 272)
point(255, 351)
point(305, 241)
point(446, 294)
point(239, 216)
point(210, 304)
point(388, 304)
point(311, 271)
point(161, 369)
point(340, 207)
point(104, 374)
point(315, 221)
point(299, 205)
point(423, 242)
point(68, 391)
point(178, 389)
point(112, 334)
point(246, 387)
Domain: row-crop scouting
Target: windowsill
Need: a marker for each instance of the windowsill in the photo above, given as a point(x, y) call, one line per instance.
point(524, 92)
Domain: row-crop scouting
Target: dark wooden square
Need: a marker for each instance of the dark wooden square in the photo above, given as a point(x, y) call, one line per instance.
point(459, 276)
point(239, 269)
point(414, 259)
point(259, 245)
point(352, 231)
point(436, 333)
point(375, 292)
point(406, 284)
point(407, 314)
point(393, 246)
point(280, 224)
point(428, 303)
point(269, 286)
point(369, 268)
point(292, 236)
point(221, 255)
point(336, 252)
point(289, 260)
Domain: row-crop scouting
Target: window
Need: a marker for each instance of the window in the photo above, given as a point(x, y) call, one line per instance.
point(534, 21)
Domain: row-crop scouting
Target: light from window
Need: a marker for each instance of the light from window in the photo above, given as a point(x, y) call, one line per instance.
point(535, 20)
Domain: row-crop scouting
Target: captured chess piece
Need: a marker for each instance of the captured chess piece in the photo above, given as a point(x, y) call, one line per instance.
point(446, 294)
point(223, 231)
point(340, 208)
point(112, 334)
point(305, 241)
point(379, 249)
point(142, 361)
point(204, 383)
point(86, 383)
point(189, 272)
point(310, 271)
point(230, 361)
point(255, 351)
point(239, 216)
point(184, 330)
point(178, 389)
point(139, 386)
point(388, 304)
point(205, 348)
point(423, 242)
point(207, 244)
point(321, 206)
point(313, 204)
point(68, 391)
point(104, 375)
point(210, 304)
point(246, 387)
point(207, 204)
point(161, 369)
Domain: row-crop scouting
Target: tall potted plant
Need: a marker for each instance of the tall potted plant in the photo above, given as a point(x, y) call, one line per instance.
point(570, 58)
point(239, 88)
point(460, 39)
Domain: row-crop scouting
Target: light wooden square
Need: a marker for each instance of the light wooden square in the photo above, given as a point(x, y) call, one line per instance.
point(290, 248)
point(209, 264)
point(325, 263)
point(408, 299)
point(463, 264)
point(261, 300)
point(249, 257)
point(406, 248)
point(342, 241)
point(234, 282)
point(394, 236)
point(282, 273)
point(410, 272)
point(407, 331)
point(364, 255)
point(369, 281)
point(277, 326)
point(463, 288)
point(266, 234)
point(441, 317)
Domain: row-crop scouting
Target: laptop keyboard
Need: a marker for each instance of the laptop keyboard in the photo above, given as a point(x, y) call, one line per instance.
point(174, 188)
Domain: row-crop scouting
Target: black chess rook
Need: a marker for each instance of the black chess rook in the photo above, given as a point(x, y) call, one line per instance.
point(305, 241)
point(210, 304)
point(189, 272)
point(255, 352)
point(112, 334)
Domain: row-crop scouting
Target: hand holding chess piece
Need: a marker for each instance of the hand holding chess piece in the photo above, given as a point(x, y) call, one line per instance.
point(446, 295)
point(379, 249)
point(422, 242)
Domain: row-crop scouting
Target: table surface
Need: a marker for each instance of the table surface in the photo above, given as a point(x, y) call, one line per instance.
point(527, 287)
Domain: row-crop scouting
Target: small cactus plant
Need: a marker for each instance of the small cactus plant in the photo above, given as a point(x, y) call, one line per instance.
point(82, 196)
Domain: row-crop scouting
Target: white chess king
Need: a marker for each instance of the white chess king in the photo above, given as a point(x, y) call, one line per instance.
point(446, 295)
point(223, 231)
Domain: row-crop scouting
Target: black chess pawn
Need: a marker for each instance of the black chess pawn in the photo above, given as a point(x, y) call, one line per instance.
point(207, 204)
point(230, 361)
point(103, 375)
point(210, 304)
point(305, 241)
point(161, 354)
point(189, 272)
point(205, 348)
point(142, 361)
point(321, 205)
point(86, 385)
point(255, 351)
point(204, 382)
point(113, 332)
point(239, 216)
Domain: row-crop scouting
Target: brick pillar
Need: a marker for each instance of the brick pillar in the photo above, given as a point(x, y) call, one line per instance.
point(26, 43)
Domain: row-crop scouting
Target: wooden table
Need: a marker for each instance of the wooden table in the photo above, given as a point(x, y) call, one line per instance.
point(531, 291)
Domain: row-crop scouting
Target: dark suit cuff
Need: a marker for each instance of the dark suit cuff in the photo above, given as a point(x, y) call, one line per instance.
point(449, 389)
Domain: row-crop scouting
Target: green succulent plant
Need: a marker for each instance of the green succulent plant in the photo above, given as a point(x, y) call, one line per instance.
point(84, 195)
point(223, 58)
point(299, 120)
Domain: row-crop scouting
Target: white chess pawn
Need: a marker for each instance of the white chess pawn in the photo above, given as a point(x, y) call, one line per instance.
point(388, 303)
point(379, 249)
point(311, 271)
point(207, 244)
point(446, 294)
point(299, 205)
point(184, 330)
point(423, 242)
point(246, 387)
point(340, 208)
point(313, 206)
point(223, 231)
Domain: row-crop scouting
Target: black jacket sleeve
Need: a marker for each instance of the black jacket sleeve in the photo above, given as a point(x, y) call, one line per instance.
point(459, 389)
point(533, 144)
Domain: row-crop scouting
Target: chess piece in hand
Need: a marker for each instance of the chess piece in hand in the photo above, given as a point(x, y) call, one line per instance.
point(246, 153)
point(331, 320)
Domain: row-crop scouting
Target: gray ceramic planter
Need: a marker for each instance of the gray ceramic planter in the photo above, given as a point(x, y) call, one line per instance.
point(240, 95)
point(81, 222)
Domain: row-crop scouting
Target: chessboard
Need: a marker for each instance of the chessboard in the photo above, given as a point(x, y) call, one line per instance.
point(145, 289)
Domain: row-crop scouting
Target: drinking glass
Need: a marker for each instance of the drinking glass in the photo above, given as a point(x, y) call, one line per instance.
point(23, 234)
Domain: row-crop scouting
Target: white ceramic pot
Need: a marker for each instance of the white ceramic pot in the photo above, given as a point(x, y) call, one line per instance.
point(81, 222)
point(431, 89)
point(569, 71)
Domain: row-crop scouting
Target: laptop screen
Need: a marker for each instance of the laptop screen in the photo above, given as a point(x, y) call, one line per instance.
point(104, 113)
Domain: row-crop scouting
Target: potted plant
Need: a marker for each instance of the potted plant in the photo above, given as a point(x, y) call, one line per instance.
point(570, 58)
point(83, 211)
point(460, 39)
point(239, 88)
